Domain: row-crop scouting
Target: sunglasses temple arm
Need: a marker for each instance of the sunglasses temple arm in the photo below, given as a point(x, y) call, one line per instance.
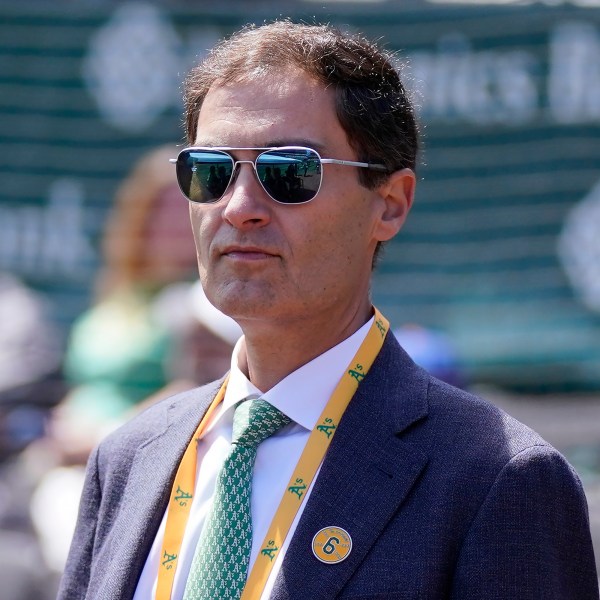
point(353, 163)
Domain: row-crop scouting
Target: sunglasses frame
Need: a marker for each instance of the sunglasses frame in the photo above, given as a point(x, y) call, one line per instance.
point(226, 150)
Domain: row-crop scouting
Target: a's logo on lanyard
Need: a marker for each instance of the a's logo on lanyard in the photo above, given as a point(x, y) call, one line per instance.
point(298, 488)
point(182, 497)
point(168, 560)
point(331, 544)
point(327, 427)
point(270, 550)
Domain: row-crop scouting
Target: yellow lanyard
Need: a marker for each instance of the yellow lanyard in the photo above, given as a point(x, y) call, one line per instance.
point(302, 477)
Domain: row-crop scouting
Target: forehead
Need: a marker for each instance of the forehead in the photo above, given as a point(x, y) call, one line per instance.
point(273, 108)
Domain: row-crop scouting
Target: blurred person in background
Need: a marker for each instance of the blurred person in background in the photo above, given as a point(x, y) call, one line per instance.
point(31, 384)
point(31, 381)
point(203, 338)
point(327, 464)
point(117, 349)
point(433, 350)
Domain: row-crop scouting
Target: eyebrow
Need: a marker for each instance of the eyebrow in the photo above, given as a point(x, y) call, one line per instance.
point(269, 144)
point(296, 142)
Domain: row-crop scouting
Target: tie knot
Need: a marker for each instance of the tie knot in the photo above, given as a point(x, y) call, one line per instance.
point(255, 421)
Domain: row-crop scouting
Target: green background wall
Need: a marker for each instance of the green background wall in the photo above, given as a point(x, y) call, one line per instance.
point(502, 249)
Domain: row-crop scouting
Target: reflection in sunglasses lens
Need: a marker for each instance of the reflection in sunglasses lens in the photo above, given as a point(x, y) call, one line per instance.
point(206, 175)
point(290, 176)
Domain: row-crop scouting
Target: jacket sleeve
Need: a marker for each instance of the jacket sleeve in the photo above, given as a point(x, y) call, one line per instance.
point(531, 537)
point(75, 579)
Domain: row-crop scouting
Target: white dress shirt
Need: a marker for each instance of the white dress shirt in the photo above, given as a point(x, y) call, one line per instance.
point(302, 396)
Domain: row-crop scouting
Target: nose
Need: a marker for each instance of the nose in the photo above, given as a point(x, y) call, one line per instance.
point(247, 205)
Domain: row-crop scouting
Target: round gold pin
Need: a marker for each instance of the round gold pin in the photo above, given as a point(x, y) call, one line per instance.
point(332, 545)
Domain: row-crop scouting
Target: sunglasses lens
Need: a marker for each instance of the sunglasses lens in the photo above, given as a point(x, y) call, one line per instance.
point(290, 176)
point(204, 175)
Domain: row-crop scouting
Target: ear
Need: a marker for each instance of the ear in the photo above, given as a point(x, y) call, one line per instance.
point(397, 194)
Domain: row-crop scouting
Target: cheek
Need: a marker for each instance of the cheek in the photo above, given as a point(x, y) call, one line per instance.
point(349, 228)
point(325, 250)
point(201, 228)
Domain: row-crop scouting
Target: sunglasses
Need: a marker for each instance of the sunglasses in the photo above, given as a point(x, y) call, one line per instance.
point(289, 175)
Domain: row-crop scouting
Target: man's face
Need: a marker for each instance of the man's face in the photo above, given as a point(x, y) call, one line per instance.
point(282, 263)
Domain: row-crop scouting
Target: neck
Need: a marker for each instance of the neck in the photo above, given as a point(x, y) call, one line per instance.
point(274, 351)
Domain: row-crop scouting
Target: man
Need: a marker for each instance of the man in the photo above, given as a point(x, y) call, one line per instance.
point(419, 490)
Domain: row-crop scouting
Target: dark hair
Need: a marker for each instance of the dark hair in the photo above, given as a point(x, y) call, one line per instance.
point(371, 102)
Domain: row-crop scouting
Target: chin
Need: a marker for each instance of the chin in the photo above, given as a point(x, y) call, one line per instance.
point(241, 299)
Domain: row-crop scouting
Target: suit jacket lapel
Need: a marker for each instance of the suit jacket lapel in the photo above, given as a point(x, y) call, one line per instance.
point(147, 490)
point(365, 476)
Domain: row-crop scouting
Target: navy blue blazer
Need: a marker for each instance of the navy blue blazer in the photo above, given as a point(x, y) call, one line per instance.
point(444, 495)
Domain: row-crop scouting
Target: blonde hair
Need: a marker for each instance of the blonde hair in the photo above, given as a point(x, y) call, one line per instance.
point(125, 261)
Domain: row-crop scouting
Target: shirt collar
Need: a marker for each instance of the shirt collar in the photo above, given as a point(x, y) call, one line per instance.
point(303, 394)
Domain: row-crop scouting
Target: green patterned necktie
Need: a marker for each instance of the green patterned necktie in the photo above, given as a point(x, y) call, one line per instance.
point(220, 565)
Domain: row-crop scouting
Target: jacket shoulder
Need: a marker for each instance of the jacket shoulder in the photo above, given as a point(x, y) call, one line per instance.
point(182, 408)
point(479, 425)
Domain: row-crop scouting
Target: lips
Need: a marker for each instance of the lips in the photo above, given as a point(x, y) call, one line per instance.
point(247, 252)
